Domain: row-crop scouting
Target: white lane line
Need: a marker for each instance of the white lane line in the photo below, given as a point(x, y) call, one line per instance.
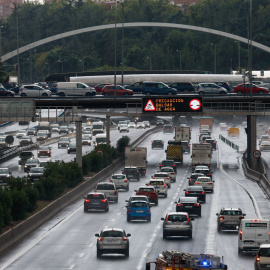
point(81, 255)
point(72, 266)
point(91, 244)
point(119, 214)
point(113, 219)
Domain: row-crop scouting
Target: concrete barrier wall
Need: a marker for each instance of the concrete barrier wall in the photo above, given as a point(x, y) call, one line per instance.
point(15, 234)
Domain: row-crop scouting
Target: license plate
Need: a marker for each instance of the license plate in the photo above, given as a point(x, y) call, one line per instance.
point(139, 211)
point(130, 175)
point(188, 206)
point(95, 203)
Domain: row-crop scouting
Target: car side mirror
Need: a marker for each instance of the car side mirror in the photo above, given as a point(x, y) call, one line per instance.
point(126, 200)
point(128, 235)
point(184, 190)
point(192, 219)
point(126, 206)
point(216, 214)
point(135, 190)
point(162, 218)
point(244, 214)
point(97, 234)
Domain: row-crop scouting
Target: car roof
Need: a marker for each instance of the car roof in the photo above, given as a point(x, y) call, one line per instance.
point(112, 229)
point(232, 209)
point(186, 199)
point(177, 213)
point(194, 187)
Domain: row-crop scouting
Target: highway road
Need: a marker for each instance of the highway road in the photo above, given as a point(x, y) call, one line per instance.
point(68, 240)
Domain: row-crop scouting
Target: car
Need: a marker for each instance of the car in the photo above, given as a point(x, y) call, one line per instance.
point(87, 133)
point(109, 189)
point(140, 125)
point(44, 151)
point(63, 142)
point(6, 93)
point(131, 125)
point(157, 88)
point(42, 135)
point(63, 129)
point(244, 88)
point(100, 86)
point(54, 128)
point(43, 162)
point(170, 171)
point(137, 198)
point(5, 174)
point(109, 90)
point(204, 170)
point(160, 186)
point(190, 205)
point(206, 182)
point(224, 85)
point(95, 201)
point(35, 173)
point(213, 142)
point(164, 176)
point(23, 123)
point(265, 146)
point(264, 138)
point(168, 162)
point(112, 240)
point(185, 146)
point(132, 173)
point(196, 191)
point(31, 131)
point(24, 156)
point(229, 218)
point(183, 87)
point(223, 126)
point(262, 259)
point(168, 129)
point(88, 127)
point(138, 210)
point(30, 163)
point(124, 122)
point(86, 140)
point(157, 144)
point(21, 133)
point(193, 177)
point(159, 122)
point(147, 124)
point(33, 90)
point(120, 181)
point(25, 140)
point(210, 88)
point(136, 87)
point(206, 131)
point(177, 224)
point(71, 148)
point(72, 127)
point(123, 128)
point(204, 136)
point(148, 191)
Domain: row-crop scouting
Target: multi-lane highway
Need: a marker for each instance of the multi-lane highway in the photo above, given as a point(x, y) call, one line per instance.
point(68, 240)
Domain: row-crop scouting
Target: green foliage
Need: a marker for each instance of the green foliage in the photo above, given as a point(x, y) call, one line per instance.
point(20, 204)
point(53, 186)
point(122, 143)
point(33, 195)
point(2, 224)
point(6, 203)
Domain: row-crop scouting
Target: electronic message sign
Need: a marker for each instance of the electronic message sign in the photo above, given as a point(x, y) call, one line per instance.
point(173, 104)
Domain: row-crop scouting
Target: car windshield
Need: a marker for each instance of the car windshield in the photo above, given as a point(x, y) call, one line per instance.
point(195, 188)
point(139, 199)
point(42, 133)
point(156, 183)
point(232, 212)
point(95, 196)
point(63, 139)
point(188, 200)
point(112, 234)
point(139, 204)
point(147, 189)
point(105, 187)
point(26, 154)
point(160, 175)
point(204, 179)
point(264, 252)
point(44, 148)
point(118, 177)
point(177, 218)
point(167, 170)
point(2, 171)
point(130, 169)
point(37, 170)
point(31, 161)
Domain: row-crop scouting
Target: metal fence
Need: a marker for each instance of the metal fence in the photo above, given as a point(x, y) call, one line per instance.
point(228, 142)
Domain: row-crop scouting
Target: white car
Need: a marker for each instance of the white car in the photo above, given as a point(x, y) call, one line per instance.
point(206, 182)
point(140, 125)
point(21, 133)
point(265, 145)
point(120, 181)
point(33, 90)
point(160, 186)
point(123, 127)
point(164, 176)
point(86, 140)
point(170, 171)
point(264, 138)
point(132, 125)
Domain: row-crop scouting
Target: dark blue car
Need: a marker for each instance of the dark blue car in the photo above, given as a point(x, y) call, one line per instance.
point(138, 210)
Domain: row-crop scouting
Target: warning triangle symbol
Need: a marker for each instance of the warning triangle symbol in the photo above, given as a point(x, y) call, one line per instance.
point(149, 107)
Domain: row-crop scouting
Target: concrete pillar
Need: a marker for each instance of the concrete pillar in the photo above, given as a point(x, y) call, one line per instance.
point(108, 125)
point(79, 142)
point(251, 141)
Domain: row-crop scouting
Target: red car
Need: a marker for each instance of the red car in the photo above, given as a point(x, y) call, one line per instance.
point(108, 90)
point(244, 88)
point(99, 87)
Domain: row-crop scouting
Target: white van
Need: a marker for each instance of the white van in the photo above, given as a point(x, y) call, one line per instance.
point(100, 139)
point(74, 89)
point(252, 233)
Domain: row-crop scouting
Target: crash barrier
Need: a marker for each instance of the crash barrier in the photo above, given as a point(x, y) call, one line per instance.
point(228, 142)
point(15, 234)
point(259, 176)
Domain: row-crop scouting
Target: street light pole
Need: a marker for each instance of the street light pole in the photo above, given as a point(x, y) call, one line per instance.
point(60, 61)
point(180, 59)
point(115, 44)
point(150, 62)
point(250, 47)
point(17, 34)
point(239, 47)
point(1, 42)
point(82, 61)
point(122, 64)
point(215, 57)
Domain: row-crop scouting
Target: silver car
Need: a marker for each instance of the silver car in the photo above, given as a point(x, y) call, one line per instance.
point(210, 88)
point(109, 190)
point(33, 90)
point(120, 181)
point(112, 240)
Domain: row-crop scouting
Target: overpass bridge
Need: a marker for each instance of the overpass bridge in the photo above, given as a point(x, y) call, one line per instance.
point(26, 109)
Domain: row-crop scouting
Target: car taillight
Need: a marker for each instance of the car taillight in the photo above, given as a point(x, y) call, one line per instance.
point(197, 183)
point(202, 192)
point(126, 181)
point(209, 183)
point(86, 200)
point(124, 238)
point(173, 165)
point(187, 192)
point(208, 174)
point(258, 258)
point(164, 185)
point(111, 180)
point(241, 217)
point(172, 173)
point(180, 204)
point(167, 218)
point(115, 192)
point(221, 218)
point(187, 218)
point(240, 235)
point(154, 177)
point(196, 204)
point(167, 178)
point(104, 201)
point(100, 238)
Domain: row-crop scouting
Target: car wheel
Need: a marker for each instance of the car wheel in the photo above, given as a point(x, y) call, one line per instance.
point(201, 93)
point(260, 92)
point(98, 253)
point(165, 195)
point(128, 219)
point(240, 251)
point(138, 179)
point(107, 209)
point(222, 93)
point(23, 95)
point(106, 94)
point(61, 94)
point(164, 235)
point(200, 214)
point(127, 189)
point(149, 219)
point(239, 92)
point(126, 94)
point(156, 203)
point(85, 210)
point(147, 93)
point(44, 95)
point(190, 235)
point(88, 94)
point(218, 228)
point(116, 200)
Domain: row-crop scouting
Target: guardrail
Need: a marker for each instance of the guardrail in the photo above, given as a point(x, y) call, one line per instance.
point(228, 142)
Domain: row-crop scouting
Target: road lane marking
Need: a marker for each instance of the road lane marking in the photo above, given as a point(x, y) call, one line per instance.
point(91, 244)
point(81, 255)
point(72, 266)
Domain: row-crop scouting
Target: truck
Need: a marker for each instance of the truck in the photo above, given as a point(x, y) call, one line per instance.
point(136, 157)
point(97, 128)
point(182, 133)
point(206, 121)
point(201, 154)
point(174, 151)
point(44, 125)
point(172, 260)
